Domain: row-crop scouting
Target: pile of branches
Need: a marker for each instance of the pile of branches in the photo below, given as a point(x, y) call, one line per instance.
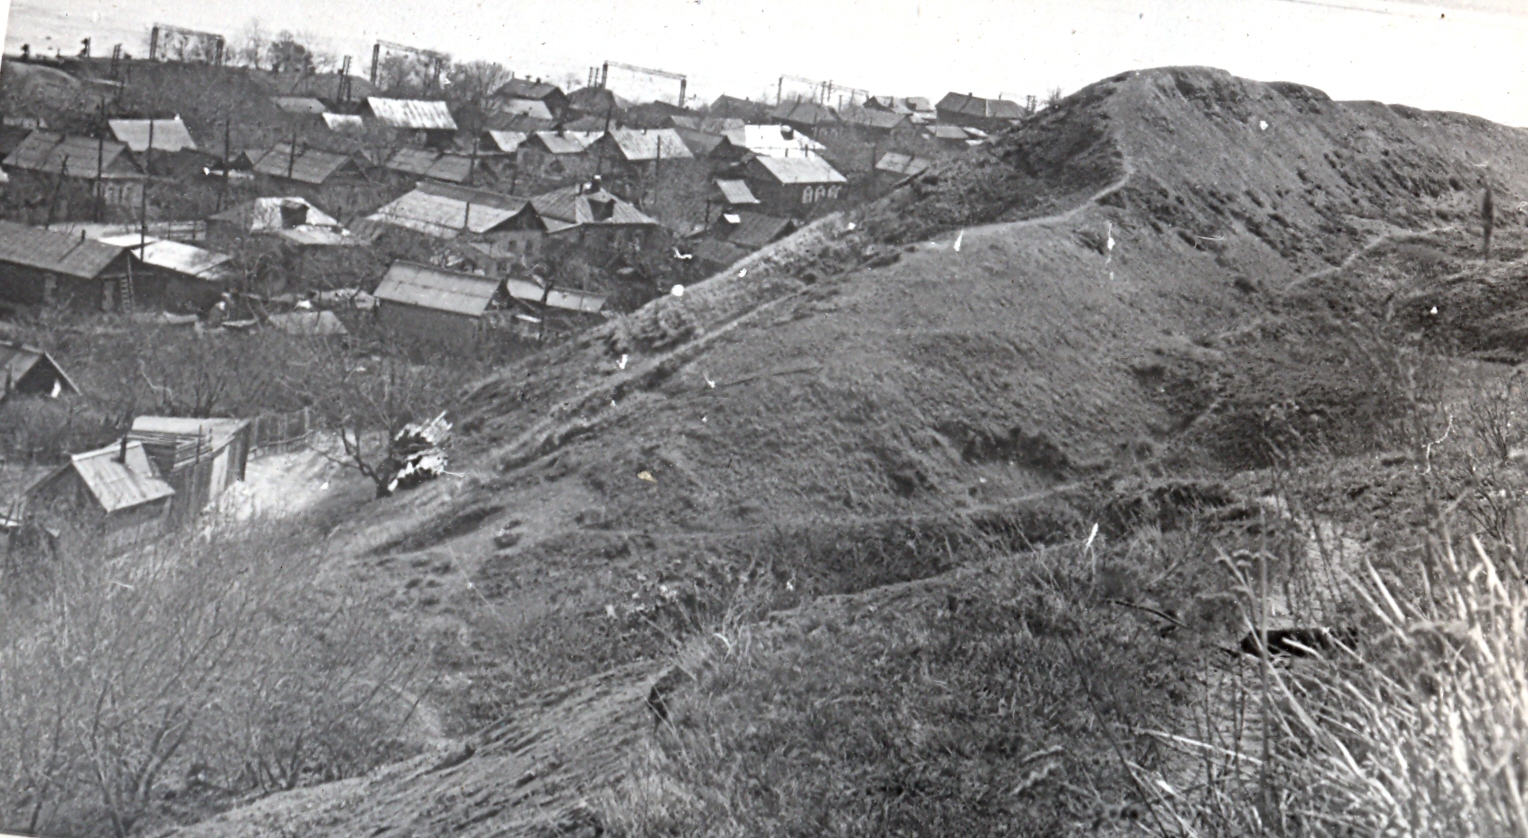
point(415, 455)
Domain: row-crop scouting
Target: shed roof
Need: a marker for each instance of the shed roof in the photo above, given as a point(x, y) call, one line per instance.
point(507, 140)
point(564, 142)
point(797, 169)
point(299, 104)
point(412, 114)
point(718, 252)
point(532, 108)
point(263, 215)
point(527, 89)
point(218, 432)
point(342, 123)
point(736, 192)
point(754, 230)
point(414, 161)
point(176, 256)
point(568, 300)
point(707, 124)
point(45, 151)
point(453, 292)
point(571, 207)
point(874, 119)
point(948, 132)
point(804, 112)
point(50, 251)
point(898, 163)
point(699, 142)
point(169, 134)
point(439, 210)
point(18, 359)
point(641, 144)
point(307, 165)
point(118, 485)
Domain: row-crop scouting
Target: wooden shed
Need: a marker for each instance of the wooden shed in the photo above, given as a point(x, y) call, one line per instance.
point(114, 494)
point(199, 458)
point(41, 268)
point(29, 371)
point(433, 304)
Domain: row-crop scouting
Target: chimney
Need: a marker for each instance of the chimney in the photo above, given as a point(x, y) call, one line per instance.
point(293, 214)
point(122, 452)
point(597, 184)
point(787, 132)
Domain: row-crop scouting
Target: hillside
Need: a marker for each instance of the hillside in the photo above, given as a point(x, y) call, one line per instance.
point(1126, 286)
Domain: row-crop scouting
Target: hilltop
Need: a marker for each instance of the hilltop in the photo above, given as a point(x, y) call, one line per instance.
point(1118, 293)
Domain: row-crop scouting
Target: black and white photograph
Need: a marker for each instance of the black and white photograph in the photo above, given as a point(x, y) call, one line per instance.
point(763, 418)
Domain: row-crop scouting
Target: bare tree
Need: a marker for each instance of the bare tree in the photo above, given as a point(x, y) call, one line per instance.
point(253, 42)
point(1053, 98)
point(471, 89)
point(287, 54)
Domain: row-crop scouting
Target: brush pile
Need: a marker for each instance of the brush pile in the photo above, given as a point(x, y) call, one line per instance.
point(414, 455)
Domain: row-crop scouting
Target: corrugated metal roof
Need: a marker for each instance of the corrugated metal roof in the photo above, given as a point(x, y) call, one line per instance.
point(568, 300)
point(120, 485)
point(526, 89)
point(44, 151)
point(507, 140)
point(439, 210)
point(798, 169)
point(308, 165)
point(435, 288)
point(176, 256)
point(948, 132)
point(341, 123)
point(736, 192)
point(898, 163)
point(771, 141)
point(17, 359)
point(49, 251)
point(754, 230)
point(638, 145)
point(568, 206)
point(452, 168)
point(412, 114)
point(169, 134)
point(299, 104)
point(567, 142)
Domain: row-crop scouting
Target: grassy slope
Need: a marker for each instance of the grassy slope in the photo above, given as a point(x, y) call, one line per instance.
point(947, 381)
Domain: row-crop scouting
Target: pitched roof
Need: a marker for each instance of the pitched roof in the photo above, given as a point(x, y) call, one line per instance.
point(44, 151)
point(717, 252)
point(176, 256)
point(565, 142)
point(263, 215)
point(308, 165)
point(569, 207)
point(49, 251)
point(569, 300)
point(532, 108)
point(439, 210)
point(408, 283)
point(707, 124)
point(507, 140)
point(969, 105)
point(169, 134)
point(874, 119)
point(414, 161)
point(526, 89)
point(804, 112)
point(341, 123)
point(736, 192)
point(734, 106)
point(772, 141)
point(798, 169)
point(699, 142)
point(948, 132)
point(298, 104)
point(898, 163)
point(637, 145)
point(18, 359)
point(754, 230)
point(217, 432)
point(119, 485)
point(412, 114)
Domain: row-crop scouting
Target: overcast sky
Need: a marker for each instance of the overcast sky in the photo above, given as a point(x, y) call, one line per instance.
point(1462, 55)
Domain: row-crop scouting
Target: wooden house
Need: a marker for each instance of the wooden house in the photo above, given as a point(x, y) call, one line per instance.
point(42, 268)
point(970, 111)
point(533, 98)
point(428, 123)
point(78, 174)
point(794, 186)
point(557, 155)
point(329, 179)
point(177, 276)
point(435, 305)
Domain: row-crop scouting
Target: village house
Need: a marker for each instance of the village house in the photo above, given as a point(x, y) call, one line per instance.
point(198, 458)
point(95, 169)
point(287, 243)
point(557, 155)
point(637, 153)
point(805, 115)
point(169, 135)
point(716, 254)
point(326, 178)
point(504, 229)
point(435, 305)
point(533, 98)
point(732, 194)
point(112, 494)
point(700, 144)
point(953, 137)
point(30, 371)
point(794, 186)
point(970, 111)
point(732, 106)
point(429, 163)
point(915, 107)
point(428, 123)
point(179, 277)
point(752, 230)
point(766, 141)
point(593, 218)
point(877, 125)
point(42, 268)
point(598, 102)
point(299, 105)
point(531, 296)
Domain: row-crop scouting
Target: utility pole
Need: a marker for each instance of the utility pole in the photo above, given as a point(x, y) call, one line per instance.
point(100, 197)
point(292, 156)
point(63, 171)
point(143, 202)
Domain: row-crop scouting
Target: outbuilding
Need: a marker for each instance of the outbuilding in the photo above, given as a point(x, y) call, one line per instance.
point(199, 458)
point(42, 268)
point(31, 371)
point(115, 494)
point(434, 304)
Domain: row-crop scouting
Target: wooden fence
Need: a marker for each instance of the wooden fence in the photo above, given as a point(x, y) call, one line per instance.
point(278, 433)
